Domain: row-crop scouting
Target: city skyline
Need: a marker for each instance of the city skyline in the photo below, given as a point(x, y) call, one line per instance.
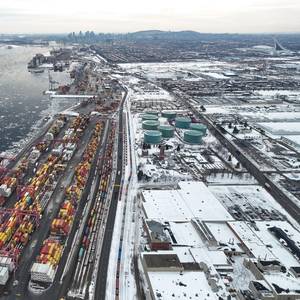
point(232, 16)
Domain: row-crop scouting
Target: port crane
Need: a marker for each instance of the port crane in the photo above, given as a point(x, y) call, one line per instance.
point(52, 82)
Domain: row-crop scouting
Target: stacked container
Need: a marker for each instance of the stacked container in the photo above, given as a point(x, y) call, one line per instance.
point(8, 186)
point(62, 224)
point(50, 253)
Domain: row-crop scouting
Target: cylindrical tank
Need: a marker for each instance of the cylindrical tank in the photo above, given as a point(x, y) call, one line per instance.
point(152, 137)
point(146, 117)
point(170, 115)
point(199, 127)
point(193, 137)
point(150, 125)
point(183, 122)
point(152, 112)
point(167, 131)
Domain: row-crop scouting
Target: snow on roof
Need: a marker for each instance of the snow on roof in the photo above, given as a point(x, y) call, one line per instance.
point(245, 195)
point(185, 234)
point(202, 202)
point(263, 244)
point(274, 116)
point(282, 128)
point(252, 241)
point(184, 254)
point(279, 250)
point(284, 282)
point(185, 285)
point(165, 204)
point(192, 200)
point(224, 235)
point(216, 258)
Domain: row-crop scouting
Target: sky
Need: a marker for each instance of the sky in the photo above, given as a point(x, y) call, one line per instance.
point(63, 16)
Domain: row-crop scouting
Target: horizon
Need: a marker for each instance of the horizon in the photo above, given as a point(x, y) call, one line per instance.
point(148, 30)
point(231, 16)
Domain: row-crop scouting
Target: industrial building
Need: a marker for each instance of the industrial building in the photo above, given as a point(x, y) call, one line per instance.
point(190, 200)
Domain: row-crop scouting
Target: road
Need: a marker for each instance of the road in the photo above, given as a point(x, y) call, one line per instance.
point(292, 208)
point(100, 289)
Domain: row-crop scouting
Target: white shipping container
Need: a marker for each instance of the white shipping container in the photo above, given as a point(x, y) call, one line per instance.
point(5, 191)
point(42, 272)
point(7, 262)
point(4, 275)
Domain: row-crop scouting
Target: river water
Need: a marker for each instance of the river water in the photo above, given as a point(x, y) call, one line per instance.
point(22, 103)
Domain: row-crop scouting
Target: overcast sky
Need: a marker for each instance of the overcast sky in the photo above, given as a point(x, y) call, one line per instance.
point(37, 16)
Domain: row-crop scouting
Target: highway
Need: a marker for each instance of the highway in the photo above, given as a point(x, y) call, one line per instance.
point(100, 288)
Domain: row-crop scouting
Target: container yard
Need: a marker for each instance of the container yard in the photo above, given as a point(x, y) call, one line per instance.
point(57, 191)
point(20, 222)
point(62, 224)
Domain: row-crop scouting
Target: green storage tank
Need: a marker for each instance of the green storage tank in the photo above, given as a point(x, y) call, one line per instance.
point(167, 131)
point(150, 125)
point(152, 112)
point(152, 137)
point(193, 137)
point(183, 122)
point(146, 117)
point(170, 115)
point(199, 127)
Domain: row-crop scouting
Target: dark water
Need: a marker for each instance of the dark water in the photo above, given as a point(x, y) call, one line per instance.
point(22, 103)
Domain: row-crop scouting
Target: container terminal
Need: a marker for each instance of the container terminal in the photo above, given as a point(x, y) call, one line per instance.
point(169, 180)
point(58, 193)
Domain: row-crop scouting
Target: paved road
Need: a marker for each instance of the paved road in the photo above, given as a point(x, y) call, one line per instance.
point(100, 289)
